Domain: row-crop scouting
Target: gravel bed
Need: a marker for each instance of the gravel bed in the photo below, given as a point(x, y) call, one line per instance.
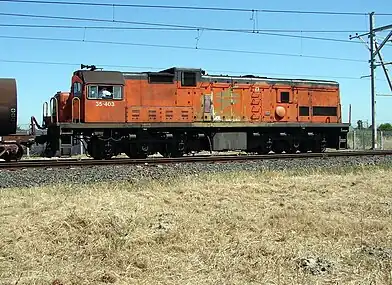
point(134, 173)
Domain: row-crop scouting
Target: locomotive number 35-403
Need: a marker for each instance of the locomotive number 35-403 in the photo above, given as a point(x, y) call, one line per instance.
point(104, 104)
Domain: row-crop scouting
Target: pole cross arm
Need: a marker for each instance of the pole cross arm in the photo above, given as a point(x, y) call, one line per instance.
point(383, 66)
point(358, 36)
point(385, 63)
point(387, 27)
point(383, 43)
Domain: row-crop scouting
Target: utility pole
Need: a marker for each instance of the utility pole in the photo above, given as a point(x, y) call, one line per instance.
point(375, 50)
point(372, 80)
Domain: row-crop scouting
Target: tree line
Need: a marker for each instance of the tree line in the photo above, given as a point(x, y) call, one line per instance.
point(381, 127)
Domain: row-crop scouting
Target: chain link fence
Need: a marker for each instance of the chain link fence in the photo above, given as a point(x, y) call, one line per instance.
point(362, 139)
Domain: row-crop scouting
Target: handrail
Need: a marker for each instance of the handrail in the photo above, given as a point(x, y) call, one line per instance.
point(57, 111)
point(72, 111)
point(45, 110)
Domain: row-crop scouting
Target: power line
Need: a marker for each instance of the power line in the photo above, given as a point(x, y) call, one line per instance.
point(162, 68)
point(194, 8)
point(126, 22)
point(172, 26)
point(182, 47)
point(190, 28)
point(94, 27)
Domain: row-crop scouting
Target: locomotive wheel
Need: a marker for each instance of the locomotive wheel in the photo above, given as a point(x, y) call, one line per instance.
point(279, 146)
point(19, 153)
point(132, 151)
point(319, 146)
point(108, 150)
point(14, 156)
point(96, 152)
point(134, 154)
point(172, 154)
point(172, 151)
point(99, 149)
point(303, 147)
point(6, 157)
point(294, 147)
point(262, 151)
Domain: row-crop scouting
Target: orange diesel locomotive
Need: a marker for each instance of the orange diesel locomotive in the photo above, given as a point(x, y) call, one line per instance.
point(183, 110)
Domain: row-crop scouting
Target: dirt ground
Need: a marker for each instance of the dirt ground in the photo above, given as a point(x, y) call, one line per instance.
point(236, 228)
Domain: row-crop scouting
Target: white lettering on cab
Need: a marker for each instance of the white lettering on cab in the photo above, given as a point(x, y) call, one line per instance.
point(104, 104)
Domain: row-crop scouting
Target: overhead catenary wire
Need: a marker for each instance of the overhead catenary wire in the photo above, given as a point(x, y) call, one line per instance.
point(162, 68)
point(222, 9)
point(113, 21)
point(190, 28)
point(183, 47)
point(163, 26)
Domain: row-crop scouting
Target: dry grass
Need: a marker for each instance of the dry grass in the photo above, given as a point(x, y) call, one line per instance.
point(216, 229)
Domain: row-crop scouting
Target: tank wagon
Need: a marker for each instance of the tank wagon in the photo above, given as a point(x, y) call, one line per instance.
point(182, 110)
point(10, 142)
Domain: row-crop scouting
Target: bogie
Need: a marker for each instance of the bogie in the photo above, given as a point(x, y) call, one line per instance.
point(178, 142)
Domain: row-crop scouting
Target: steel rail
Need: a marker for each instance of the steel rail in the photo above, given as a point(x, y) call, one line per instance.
point(187, 159)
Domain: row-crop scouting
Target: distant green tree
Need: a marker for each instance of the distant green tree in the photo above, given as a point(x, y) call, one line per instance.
point(385, 127)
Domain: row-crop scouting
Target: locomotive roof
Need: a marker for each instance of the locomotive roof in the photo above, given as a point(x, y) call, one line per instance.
point(247, 78)
point(254, 78)
point(118, 77)
point(102, 77)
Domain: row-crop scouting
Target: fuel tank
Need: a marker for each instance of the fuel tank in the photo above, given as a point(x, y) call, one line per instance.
point(8, 106)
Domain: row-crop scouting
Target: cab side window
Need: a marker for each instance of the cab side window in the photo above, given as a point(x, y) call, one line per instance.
point(77, 89)
point(93, 92)
point(117, 92)
point(105, 92)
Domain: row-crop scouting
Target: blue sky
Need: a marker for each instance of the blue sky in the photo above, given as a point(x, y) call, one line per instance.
point(38, 82)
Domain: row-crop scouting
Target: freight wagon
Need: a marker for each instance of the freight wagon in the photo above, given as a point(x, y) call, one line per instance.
point(11, 142)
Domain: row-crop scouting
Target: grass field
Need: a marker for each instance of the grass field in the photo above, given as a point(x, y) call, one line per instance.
point(237, 228)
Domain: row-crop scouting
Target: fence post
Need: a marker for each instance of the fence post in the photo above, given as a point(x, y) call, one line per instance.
point(381, 140)
point(354, 138)
point(363, 141)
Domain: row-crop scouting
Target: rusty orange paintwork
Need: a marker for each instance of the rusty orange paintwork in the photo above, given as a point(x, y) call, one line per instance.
point(252, 103)
point(59, 103)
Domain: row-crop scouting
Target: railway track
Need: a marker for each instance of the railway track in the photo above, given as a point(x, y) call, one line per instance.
point(187, 159)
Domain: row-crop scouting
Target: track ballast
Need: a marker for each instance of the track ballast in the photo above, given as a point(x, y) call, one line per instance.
point(187, 159)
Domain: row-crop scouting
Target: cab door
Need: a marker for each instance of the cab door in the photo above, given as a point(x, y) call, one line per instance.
point(77, 110)
point(105, 104)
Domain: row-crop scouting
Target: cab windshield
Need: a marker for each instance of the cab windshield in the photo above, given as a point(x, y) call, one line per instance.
point(104, 92)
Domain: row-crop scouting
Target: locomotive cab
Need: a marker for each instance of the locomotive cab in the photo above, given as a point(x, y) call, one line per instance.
point(97, 97)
